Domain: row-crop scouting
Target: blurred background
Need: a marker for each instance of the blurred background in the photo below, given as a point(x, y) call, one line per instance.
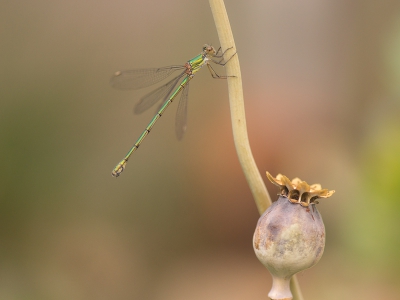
point(321, 85)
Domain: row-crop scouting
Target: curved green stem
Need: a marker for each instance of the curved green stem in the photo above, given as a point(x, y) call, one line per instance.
point(236, 102)
point(238, 117)
point(295, 288)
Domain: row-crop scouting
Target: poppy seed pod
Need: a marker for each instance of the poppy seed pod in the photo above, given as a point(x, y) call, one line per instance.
point(290, 235)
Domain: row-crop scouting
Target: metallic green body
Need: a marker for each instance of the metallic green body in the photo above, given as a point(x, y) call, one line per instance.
point(197, 62)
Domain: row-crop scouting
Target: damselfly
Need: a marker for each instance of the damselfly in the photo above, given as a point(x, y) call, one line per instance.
point(140, 78)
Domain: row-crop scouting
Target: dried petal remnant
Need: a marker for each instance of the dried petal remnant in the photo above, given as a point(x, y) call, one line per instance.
point(299, 191)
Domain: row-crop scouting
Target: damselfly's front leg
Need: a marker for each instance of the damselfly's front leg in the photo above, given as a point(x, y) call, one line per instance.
point(215, 75)
point(222, 61)
point(219, 49)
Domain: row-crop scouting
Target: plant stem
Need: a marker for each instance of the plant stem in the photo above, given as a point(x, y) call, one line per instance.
point(295, 288)
point(236, 102)
point(238, 117)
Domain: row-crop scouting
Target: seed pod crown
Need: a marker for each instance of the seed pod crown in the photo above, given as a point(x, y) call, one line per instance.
point(298, 191)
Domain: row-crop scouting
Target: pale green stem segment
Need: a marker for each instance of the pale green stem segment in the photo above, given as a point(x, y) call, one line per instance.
point(238, 115)
point(254, 179)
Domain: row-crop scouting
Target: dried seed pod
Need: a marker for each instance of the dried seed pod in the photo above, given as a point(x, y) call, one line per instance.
point(290, 235)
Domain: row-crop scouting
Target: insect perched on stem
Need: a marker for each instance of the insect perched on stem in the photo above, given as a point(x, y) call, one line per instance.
point(140, 78)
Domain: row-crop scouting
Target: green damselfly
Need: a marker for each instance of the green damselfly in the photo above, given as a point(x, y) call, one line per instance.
point(140, 78)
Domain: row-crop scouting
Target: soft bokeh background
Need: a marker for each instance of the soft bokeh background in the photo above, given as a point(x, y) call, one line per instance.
point(322, 88)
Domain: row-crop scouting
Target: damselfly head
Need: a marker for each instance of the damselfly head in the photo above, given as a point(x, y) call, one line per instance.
point(209, 50)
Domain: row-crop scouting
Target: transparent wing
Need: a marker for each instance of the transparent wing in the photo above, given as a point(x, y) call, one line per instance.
point(181, 114)
point(140, 78)
point(153, 97)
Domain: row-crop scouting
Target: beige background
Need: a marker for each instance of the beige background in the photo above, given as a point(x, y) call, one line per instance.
point(321, 83)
